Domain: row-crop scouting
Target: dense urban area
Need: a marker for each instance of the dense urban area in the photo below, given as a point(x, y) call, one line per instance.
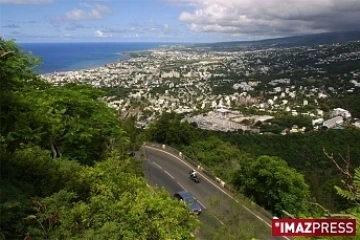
point(248, 90)
point(278, 124)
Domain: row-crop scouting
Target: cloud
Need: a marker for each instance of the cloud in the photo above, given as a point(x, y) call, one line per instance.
point(23, 22)
point(271, 18)
point(93, 12)
point(181, 2)
point(145, 30)
point(100, 34)
point(149, 28)
point(74, 26)
point(11, 26)
point(25, 1)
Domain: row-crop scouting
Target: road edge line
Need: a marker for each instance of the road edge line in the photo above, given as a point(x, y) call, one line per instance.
point(222, 190)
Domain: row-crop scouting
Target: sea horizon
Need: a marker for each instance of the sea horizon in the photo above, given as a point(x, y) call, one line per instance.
point(71, 56)
point(170, 43)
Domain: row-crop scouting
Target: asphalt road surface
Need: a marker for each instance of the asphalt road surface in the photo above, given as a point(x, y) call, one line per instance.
point(219, 209)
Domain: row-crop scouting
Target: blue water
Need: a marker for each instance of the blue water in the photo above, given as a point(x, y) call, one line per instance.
point(74, 56)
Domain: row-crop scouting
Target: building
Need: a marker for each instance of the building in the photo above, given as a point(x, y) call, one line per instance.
point(223, 112)
point(334, 122)
point(340, 112)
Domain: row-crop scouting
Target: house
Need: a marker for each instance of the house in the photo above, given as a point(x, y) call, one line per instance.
point(340, 112)
point(317, 121)
point(333, 122)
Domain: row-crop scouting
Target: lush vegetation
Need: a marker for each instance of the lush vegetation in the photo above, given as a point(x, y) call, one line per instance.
point(170, 130)
point(116, 92)
point(304, 152)
point(64, 171)
point(283, 122)
point(350, 192)
point(288, 172)
point(350, 101)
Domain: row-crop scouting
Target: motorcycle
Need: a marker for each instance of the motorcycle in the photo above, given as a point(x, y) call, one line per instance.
point(195, 179)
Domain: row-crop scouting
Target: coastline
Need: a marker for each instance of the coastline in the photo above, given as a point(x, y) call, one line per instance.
point(76, 57)
point(127, 55)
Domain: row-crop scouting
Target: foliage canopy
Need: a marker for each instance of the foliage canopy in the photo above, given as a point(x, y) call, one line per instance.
point(64, 172)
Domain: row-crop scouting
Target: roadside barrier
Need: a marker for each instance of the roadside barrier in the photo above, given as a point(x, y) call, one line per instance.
point(199, 167)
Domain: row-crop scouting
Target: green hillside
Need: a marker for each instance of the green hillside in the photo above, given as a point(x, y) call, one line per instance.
point(64, 171)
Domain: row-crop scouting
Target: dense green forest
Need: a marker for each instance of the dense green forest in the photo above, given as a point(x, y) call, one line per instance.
point(290, 172)
point(64, 169)
point(304, 152)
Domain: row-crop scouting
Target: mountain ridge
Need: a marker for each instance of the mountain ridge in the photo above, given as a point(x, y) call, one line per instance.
point(302, 40)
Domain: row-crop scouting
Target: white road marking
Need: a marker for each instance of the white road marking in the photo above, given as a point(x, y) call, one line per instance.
point(169, 174)
point(181, 185)
point(157, 165)
point(176, 181)
point(188, 165)
point(218, 219)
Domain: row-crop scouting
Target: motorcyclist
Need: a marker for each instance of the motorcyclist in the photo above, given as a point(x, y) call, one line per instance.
point(193, 174)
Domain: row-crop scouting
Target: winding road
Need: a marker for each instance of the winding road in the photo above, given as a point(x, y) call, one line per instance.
point(219, 208)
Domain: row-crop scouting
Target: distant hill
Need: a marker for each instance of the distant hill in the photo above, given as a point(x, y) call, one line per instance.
point(305, 40)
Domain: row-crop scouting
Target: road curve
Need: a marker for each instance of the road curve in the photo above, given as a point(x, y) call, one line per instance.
point(156, 176)
point(169, 171)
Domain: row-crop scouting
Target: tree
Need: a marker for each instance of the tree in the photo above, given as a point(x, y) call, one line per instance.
point(304, 153)
point(16, 75)
point(218, 156)
point(287, 121)
point(273, 184)
point(351, 183)
point(119, 206)
point(74, 122)
point(63, 173)
point(350, 191)
point(63, 199)
point(170, 130)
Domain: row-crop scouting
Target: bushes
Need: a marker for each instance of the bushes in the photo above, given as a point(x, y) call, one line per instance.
point(63, 170)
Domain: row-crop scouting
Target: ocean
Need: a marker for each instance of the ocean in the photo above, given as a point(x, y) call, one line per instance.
point(74, 56)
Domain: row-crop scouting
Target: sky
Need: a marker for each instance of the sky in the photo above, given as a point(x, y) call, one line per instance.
point(172, 20)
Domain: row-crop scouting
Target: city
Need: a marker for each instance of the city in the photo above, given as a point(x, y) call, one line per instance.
point(228, 90)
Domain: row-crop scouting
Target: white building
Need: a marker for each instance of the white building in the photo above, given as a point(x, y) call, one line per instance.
point(340, 112)
point(333, 122)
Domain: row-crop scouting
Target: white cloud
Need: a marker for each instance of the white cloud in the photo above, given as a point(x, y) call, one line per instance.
point(93, 12)
point(271, 18)
point(26, 1)
point(183, 2)
point(100, 34)
point(144, 29)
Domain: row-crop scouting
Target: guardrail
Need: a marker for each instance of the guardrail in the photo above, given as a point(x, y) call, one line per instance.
point(208, 173)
